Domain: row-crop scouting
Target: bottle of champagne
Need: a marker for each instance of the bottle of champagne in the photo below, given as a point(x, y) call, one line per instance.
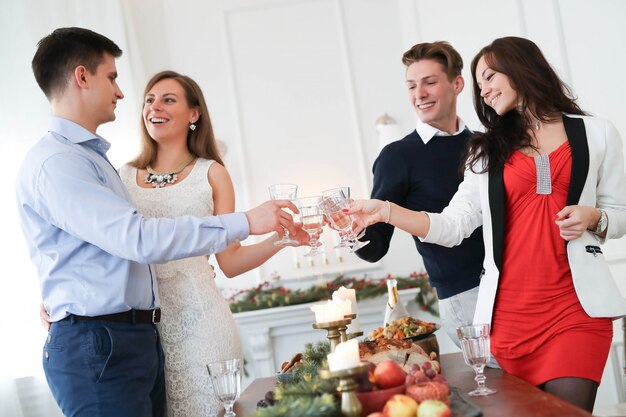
point(395, 309)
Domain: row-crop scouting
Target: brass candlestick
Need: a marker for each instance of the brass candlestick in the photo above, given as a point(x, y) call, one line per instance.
point(350, 404)
point(332, 328)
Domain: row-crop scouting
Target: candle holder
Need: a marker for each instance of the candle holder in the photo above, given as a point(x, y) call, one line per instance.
point(344, 335)
point(332, 329)
point(350, 404)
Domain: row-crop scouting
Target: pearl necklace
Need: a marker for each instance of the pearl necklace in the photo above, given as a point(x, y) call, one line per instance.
point(161, 179)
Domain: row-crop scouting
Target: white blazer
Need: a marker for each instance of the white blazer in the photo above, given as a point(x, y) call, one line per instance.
point(597, 180)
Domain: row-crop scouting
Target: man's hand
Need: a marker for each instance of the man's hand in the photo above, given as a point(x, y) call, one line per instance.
point(269, 217)
point(574, 220)
point(45, 317)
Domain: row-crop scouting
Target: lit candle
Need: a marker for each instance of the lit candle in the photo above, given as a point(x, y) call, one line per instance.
point(344, 293)
point(346, 356)
point(325, 313)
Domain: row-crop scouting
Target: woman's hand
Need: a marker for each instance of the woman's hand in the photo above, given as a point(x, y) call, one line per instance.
point(367, 212)
point(574, 220)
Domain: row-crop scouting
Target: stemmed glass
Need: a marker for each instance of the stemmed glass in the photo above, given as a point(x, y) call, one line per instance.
point(475, 345)
point(284, 192)
point(312, 220)
point(333, 206)
point(226, 380)
point(343, 243)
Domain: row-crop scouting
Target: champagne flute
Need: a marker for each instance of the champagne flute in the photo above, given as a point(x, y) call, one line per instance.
point(333, 206)
point(226, 380)
point(476, 352)
point(284, 192)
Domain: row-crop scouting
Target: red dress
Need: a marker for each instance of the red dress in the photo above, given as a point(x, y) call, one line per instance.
point(539, 329)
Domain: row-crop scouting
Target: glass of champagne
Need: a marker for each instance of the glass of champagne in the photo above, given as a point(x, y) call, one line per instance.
point(476, 352)
point(284, 192)
point(226, 380)
point(333, 206)
point(312, 220)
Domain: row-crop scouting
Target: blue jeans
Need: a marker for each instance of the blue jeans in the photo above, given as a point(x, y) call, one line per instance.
point(105, 369)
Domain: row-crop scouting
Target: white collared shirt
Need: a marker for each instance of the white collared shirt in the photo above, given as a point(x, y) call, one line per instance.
point(427, 132)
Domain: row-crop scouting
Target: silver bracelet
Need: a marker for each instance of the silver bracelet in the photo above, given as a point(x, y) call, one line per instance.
point(388, 211)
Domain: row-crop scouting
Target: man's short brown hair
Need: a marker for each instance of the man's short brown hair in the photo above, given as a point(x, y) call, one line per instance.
point(440, 51)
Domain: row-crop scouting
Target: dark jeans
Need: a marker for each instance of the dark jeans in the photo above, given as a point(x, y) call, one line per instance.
point(105, 369)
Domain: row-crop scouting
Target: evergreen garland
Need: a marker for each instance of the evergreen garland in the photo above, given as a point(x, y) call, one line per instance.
point(264, 296)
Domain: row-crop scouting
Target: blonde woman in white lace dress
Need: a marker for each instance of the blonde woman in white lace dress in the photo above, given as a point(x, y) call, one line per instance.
point(197, 326)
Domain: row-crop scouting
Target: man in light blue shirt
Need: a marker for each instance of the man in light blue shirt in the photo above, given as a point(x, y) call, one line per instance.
point(92, 249)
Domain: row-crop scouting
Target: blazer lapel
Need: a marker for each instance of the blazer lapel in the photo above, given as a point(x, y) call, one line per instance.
point(496, 206)
point(577, 136)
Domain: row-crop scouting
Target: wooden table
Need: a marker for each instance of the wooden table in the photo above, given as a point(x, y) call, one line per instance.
point(515, 398)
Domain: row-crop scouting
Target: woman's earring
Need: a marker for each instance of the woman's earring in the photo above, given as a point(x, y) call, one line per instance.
point(192, 126)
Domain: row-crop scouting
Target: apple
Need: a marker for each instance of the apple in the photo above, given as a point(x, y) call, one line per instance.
point(400, 406)
point(389, 374)
point(433, 408)
point(376, 414)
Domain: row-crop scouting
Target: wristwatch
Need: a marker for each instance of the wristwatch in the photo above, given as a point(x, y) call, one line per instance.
point(602, 223)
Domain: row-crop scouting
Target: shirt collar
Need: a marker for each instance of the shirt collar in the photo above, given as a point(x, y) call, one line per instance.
point(75, 133)
point(427, 132)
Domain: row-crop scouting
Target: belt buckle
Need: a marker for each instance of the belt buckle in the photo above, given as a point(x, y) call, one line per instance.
point(156, 315)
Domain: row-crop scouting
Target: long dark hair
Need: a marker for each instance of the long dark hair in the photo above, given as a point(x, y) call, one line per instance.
point(200, 142)
point(544, 97)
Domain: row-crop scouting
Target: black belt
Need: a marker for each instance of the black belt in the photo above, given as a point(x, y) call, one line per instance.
point(130, 316)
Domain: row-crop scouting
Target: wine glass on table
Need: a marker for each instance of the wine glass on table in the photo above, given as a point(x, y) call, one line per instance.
point(312, 220)
point(333, 206)
point(476, 352)
point(284, 192)
point(226, 381)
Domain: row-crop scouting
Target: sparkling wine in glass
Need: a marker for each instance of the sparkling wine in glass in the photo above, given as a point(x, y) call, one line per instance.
point(284, 192)
point(476, 352)
point(312, 220)
point(226, 380)
point(343, 243)
point(333, 206)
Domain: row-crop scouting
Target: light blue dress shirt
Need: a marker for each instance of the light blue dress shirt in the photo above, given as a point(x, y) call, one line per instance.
point(91, 248)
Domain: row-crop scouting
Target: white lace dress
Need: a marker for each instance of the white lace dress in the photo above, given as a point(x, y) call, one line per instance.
point(196, 326)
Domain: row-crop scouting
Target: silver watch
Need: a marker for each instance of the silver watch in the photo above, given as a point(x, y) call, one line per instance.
point(602, 223)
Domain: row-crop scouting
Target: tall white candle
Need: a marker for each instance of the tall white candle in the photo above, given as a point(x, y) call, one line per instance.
point(346, 356)
point(345, 305)
point(344, 293)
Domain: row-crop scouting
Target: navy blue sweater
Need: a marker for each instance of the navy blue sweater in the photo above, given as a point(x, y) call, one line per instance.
point(424, 177)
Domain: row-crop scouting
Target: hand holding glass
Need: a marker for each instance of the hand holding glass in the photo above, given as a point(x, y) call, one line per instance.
point(343, 243)
point(476, 352)
point(226, 380)
point(333, 207)
point(284, 192)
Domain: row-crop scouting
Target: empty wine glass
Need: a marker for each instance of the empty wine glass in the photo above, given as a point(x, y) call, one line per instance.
point(475, 345)
point(312, 220)
point(333, 206)
point(284, 192)
point(226, 380)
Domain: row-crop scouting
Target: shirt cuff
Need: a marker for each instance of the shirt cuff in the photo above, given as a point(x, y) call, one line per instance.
point(236, 226)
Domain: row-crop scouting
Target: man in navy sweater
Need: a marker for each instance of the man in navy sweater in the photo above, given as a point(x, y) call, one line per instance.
point(423, 171)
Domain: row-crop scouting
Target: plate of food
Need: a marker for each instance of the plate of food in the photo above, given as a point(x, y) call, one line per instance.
point(405, 328)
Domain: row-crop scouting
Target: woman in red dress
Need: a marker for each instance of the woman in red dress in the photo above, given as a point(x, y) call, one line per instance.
point(547, 183)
